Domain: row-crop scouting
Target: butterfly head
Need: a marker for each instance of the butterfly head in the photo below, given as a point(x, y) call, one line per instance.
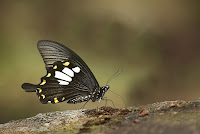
point(106, 88)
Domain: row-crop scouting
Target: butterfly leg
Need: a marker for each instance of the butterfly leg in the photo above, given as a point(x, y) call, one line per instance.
point(105, 98)
point(84, 105)
point(108, 100)
point(98, 104)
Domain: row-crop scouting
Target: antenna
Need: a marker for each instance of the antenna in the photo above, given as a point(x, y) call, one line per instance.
point(114, 75)
point(111, 78)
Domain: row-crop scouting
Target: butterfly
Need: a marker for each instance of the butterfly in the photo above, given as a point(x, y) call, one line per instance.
point(68, 77)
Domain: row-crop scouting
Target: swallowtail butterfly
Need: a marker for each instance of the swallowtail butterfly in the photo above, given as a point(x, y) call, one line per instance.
point(68, 77)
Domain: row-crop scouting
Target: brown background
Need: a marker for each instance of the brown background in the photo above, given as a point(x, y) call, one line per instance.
point(155, 42)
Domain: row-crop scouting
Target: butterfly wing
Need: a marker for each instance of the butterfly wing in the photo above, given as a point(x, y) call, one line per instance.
point(68, 77)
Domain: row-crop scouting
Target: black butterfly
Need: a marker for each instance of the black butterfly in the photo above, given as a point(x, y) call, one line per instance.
point(68, 77)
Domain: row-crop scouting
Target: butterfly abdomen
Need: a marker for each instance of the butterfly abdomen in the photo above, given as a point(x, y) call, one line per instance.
point(29, 87)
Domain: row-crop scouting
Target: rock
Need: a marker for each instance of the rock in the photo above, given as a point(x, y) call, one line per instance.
point(174, 117)
point(143, 112)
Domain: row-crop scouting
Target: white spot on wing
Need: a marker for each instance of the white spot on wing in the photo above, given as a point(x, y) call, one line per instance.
point(68, 71)
point(76, 69)
point(62, 76)
point(63, 82)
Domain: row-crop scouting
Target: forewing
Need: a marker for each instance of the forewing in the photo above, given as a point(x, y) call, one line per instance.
point(52, 52)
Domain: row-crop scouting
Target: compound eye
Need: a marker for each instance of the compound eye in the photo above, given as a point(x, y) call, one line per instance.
point(107, 86)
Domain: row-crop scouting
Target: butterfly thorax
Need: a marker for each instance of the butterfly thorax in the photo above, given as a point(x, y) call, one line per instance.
point(98, 94)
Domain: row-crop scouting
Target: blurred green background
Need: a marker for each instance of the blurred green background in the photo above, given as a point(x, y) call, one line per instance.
point(155, 42)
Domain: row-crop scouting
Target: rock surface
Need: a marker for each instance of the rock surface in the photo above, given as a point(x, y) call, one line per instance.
point(174, 117)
